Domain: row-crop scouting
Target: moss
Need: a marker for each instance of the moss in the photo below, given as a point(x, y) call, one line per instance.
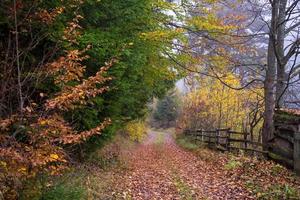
point(283, 116)
point(279, 158)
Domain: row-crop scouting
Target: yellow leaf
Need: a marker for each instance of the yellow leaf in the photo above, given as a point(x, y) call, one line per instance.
point(22, 169)
point(2, 163)
point(54, 156)
point(44, 122)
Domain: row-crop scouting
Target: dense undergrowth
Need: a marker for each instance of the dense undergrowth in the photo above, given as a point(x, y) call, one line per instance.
point(261, 177)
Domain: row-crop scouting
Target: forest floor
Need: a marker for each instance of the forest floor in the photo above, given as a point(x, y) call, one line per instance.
point(167, 167)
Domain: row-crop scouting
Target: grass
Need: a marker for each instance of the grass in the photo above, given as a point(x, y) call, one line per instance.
point(64, 191)
point(186, 143)
point(199, 149)
point(67, 187)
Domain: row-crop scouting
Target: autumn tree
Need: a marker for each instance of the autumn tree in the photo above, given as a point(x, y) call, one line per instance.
point(212, 105)
point(33, 138)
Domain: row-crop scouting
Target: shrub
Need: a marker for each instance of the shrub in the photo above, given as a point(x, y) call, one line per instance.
point(136, 130)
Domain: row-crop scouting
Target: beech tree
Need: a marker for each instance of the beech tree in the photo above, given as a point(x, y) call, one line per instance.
point(282, 54)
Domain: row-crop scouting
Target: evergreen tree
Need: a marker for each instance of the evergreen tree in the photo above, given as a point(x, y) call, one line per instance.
point(166, 111)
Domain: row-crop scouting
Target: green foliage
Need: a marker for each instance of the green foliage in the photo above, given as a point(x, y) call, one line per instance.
point(123, 29)
point(120, 29)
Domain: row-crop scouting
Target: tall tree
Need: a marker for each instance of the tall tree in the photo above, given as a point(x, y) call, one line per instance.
point(282, 57)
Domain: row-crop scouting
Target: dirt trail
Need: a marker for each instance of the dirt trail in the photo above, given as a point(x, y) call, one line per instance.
point(160, 169)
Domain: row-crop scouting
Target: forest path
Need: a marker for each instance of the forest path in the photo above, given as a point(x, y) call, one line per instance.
point(160, 169)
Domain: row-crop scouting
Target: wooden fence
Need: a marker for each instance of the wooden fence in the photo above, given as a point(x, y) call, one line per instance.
point(228, 140)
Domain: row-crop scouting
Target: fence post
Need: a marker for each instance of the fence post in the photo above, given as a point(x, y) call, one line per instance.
point(217, 137)
point(209, 139)
point(297, 152)
point(245, 138)
point(195, 136)
point(228, 140)
point(202, 136)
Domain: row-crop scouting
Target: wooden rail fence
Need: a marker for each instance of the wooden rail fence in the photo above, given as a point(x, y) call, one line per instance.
point(228, 140)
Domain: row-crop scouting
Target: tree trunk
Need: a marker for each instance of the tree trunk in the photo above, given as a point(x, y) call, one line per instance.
point(21, 100)
point(268, 127)
point(281, 76)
